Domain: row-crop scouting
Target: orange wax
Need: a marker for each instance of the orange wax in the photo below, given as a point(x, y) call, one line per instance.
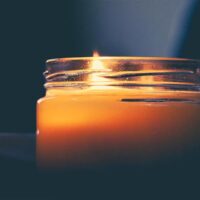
point(87, 127)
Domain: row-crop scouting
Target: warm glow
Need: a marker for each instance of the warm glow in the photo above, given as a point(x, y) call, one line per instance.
point(96, 64)
point(95, 54)
point(148, 80)
point(89, 129)
point(105, 124)
point(97, 67)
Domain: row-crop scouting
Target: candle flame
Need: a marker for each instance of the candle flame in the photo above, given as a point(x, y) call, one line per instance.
point(95, 54)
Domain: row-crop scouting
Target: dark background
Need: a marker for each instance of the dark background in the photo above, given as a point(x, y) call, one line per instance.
point(34, 31)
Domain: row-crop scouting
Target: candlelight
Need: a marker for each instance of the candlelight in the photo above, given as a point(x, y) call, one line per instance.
point(148, 80)
point(122, 124)
point(98, 68)
point(95, 54)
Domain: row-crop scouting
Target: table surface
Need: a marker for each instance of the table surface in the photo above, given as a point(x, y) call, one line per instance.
point(20, 179)
point(18, 146)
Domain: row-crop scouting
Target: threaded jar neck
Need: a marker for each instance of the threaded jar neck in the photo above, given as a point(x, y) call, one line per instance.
point(125, 72)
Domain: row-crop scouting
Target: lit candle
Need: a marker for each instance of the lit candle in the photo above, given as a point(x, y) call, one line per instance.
point(116, 110)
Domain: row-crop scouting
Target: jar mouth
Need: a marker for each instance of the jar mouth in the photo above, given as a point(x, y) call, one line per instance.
point(135, 58)
point(126, 72)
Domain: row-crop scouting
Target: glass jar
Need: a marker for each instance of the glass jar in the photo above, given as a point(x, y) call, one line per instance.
point(113, 111)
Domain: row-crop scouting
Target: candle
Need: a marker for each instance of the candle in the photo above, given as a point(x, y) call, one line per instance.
point(103, 111)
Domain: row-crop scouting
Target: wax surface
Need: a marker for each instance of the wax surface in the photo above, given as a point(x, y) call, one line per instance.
point(89, 128)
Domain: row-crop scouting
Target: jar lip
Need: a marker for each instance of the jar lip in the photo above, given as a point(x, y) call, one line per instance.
point(173, 73)
point(118, 58)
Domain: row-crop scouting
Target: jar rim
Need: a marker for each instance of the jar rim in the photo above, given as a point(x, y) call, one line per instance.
point(133, 58)
point(127, 71)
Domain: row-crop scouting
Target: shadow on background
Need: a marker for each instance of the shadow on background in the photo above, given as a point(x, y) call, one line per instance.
point(30, 34)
